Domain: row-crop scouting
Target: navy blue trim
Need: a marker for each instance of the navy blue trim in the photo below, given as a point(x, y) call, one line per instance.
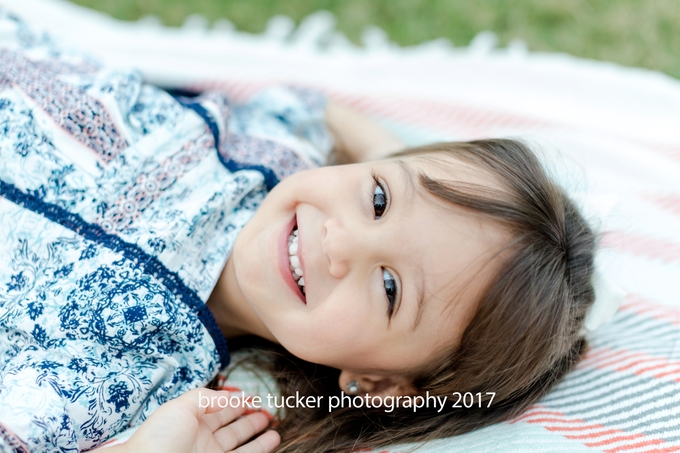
point(183, 92)
point(134, 253)
point(270, 178)
point(203, 113)
point(233, 166)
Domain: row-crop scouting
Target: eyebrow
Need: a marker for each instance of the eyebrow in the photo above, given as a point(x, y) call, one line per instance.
point(420, 298)
point(408, 176)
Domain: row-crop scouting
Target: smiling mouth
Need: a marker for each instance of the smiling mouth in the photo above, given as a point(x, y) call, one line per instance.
point(294, 261)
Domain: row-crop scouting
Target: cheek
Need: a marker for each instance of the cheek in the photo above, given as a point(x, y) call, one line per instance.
point(322, 186)
point(339, 329)
point(248, 271)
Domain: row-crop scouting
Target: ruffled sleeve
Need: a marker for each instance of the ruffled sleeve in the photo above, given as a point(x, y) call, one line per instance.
point(278, 132)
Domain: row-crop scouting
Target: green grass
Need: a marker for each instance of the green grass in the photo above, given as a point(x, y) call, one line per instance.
point(643, 33)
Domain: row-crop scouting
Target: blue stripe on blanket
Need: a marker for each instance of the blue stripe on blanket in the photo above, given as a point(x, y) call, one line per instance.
point(149, 263)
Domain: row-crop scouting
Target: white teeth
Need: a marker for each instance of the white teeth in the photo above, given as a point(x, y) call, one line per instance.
point(294, 261)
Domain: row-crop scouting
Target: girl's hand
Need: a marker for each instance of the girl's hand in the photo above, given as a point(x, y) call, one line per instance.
point(183, 426)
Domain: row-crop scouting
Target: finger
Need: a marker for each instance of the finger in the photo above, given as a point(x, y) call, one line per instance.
point(222, 418)
point(234, 434)
point(212, 400)
point(265, 443)
point(202, 400)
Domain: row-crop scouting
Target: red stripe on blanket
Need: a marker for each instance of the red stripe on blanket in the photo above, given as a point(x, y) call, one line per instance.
point(647, 307)
point(600, 357)
point(646, 246)
point(632, 362)
point(672, 151)
point(238, 90)
point(667, 202)
point(470, 121)
point(593, 434)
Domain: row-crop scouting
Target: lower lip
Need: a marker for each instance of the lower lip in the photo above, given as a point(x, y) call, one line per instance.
point(284, 263)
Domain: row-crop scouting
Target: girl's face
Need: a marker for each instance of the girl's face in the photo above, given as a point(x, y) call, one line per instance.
point(391, 274)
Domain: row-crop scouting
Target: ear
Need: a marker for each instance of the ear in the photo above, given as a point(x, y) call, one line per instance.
point(377, 384)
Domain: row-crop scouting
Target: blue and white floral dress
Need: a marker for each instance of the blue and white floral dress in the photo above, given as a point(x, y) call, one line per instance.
point(119, 205)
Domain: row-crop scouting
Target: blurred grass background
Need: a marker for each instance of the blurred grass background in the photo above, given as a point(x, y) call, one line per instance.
point(644, 33)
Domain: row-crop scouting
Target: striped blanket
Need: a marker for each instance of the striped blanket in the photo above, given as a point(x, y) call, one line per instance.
point(609, 133)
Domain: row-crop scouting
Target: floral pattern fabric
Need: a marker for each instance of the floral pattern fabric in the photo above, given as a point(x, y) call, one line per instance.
point(119, 206)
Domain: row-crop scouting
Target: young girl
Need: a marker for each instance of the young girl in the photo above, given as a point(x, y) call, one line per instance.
point(141, 231)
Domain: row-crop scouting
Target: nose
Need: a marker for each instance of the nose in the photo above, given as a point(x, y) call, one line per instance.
point(342, 245)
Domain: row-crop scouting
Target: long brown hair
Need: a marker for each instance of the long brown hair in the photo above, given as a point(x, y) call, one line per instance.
point(524, 336)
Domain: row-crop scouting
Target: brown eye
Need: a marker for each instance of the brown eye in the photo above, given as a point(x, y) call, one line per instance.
point(379, 200)
point(390, 292)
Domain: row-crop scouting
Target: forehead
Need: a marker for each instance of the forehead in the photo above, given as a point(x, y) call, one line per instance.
point(448, 252)
point(447, 224)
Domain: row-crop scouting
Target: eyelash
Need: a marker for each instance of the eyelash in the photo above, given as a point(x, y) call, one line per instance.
point(390, 291)
point(389, 282)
